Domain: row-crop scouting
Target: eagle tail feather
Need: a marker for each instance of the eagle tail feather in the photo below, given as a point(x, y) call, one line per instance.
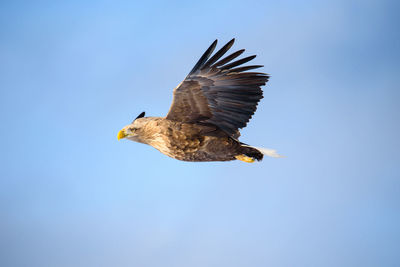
point(251, 152)
point(259, 152)
point(269, 152)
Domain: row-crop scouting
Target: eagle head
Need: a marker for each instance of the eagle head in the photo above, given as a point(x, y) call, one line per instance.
point(134, 130)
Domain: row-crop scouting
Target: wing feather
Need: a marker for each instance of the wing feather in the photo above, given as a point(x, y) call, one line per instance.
point(228, 58)
point(219, 54)
point(238, 62)
point(218, 91)
point(204, 57)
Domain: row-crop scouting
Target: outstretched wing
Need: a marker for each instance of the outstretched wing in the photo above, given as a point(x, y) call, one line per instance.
point(218, 91)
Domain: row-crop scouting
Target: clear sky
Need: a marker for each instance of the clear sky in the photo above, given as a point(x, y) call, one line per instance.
point(72, 74)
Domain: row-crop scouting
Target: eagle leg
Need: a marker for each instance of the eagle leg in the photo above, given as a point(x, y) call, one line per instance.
point(245, 158)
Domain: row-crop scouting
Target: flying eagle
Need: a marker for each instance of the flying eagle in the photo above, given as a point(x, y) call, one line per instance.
point(216, 99)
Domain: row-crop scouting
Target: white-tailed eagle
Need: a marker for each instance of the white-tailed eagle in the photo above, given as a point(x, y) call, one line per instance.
point(216, 99)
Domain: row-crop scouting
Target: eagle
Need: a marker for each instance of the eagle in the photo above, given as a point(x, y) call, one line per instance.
point(216, 99)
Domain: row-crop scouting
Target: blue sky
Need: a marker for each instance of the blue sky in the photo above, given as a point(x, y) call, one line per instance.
point(73, 74)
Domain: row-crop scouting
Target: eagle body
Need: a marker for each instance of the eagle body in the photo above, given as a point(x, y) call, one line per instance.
point(216, 99)
point(189, 141)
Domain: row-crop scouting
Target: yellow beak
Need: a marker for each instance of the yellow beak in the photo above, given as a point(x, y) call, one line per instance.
point(121, 134)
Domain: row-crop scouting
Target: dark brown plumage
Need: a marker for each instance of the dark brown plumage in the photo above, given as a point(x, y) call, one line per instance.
point(216, 99)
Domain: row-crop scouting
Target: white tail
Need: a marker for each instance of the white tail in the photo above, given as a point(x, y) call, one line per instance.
point(269, 152)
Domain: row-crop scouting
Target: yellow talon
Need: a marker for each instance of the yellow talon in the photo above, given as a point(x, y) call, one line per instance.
point(245, 158)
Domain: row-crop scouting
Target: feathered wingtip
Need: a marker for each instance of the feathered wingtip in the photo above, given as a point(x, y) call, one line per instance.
point(215, 61)
point(204, 57)
point(141, 115)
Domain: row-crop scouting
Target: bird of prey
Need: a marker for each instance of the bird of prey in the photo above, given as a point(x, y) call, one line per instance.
point(215, 100)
